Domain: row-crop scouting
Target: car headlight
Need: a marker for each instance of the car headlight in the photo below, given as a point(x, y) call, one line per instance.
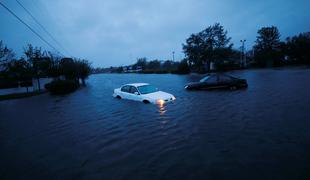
point(160, 101)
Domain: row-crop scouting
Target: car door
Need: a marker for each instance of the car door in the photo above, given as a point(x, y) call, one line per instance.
point(226, 80)
point(211, 82)
point(125, 92)
point(133, 93)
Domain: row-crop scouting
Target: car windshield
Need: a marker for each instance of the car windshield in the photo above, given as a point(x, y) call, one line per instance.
point(204, 79)
point(146, 89)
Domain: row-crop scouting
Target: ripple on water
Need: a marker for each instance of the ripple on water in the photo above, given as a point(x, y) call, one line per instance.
point(90, 134)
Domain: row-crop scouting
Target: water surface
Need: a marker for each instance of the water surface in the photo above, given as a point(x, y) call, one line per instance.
point(258, 133)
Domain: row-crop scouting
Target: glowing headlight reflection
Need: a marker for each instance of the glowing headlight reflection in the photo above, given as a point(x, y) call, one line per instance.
point(160, 102)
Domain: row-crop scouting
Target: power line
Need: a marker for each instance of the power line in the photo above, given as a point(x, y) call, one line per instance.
point(32, 30)
point(44, 29)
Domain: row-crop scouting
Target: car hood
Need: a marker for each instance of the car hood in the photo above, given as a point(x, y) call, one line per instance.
point(158, 95)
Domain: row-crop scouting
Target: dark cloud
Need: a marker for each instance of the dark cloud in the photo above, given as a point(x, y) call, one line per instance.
point(116, 32)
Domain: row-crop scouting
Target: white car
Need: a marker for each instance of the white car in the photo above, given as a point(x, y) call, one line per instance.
point(143, 92)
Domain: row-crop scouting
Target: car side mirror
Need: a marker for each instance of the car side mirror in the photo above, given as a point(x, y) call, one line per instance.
point(136, 93)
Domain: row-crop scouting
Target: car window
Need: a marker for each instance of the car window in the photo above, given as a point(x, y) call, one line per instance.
point(146, 89)
point(204, 79)
point(125, 89)
point(133, 89)
point(225, 78)
point(212, 79)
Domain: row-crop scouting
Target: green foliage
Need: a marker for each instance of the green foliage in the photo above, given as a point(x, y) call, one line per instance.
point(209, 45)
point(68, 68)
point(38, 64)
point(84, 69)
point(168, 65)
point(153, 65)
point(298, 48)
point(59, 87)
point(141, 62)
point(6, 54)
point(268, 47)
point(19, 70)
point(183, 68)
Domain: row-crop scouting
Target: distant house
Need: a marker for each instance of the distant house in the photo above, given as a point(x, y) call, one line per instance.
point(132, 69)
point(138, 69)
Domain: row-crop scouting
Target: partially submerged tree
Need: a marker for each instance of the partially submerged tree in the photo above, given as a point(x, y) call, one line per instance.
point(84, 70)
point(69, 69)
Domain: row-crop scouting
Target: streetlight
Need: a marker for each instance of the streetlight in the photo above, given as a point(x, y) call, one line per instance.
point(173, 56)
point(243, 57)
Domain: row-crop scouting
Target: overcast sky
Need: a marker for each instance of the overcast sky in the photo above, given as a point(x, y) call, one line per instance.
point(116, 32)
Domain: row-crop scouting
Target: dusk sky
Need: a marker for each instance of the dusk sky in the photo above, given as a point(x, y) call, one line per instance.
point(116, 32)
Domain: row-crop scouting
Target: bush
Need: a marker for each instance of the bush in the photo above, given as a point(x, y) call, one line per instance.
point(62, 86)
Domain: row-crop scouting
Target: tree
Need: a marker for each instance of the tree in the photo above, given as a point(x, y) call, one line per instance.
point(298, 48)
point(209, 45)
point(267, 47)
point(142, 62)
point(54, 70)
point(168, 65)
point(6, 55)
point(34, 56)
point(84, 70)
point(153, 65)
point(20, 71)
point(69, 69)
point(183, 67)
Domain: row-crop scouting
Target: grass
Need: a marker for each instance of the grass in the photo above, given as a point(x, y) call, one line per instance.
point(20, 95)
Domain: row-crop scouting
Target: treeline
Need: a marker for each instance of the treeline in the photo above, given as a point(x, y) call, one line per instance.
point(37, 63)
point(161, 66)
point(212, 50)
point(142, 65)
point(213, 46)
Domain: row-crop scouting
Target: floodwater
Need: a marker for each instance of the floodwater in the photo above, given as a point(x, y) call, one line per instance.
point(262, 132)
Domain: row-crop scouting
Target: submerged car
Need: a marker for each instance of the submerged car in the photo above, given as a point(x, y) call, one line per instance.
point(217, 81)
point(143, 92)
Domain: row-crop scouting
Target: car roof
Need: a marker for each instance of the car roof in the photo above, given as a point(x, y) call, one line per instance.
point(220, 74)
point(137, 84)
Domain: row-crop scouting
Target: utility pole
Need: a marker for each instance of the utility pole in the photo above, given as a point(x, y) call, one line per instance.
point(173, 56)
point(243, 58)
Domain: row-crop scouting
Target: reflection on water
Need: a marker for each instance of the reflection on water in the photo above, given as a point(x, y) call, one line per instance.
point(162, 109)
point(258, 133)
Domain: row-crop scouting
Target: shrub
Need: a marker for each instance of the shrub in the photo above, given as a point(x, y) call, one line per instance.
point(62, 86)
